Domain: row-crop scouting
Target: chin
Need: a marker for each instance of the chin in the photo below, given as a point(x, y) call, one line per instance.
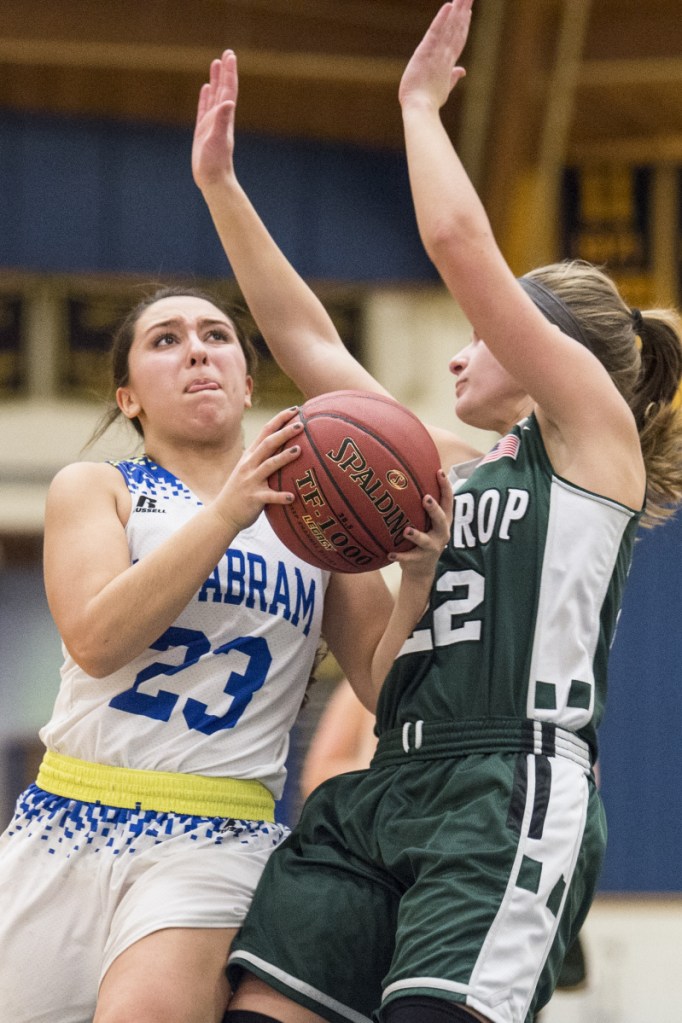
point(480, 418)
point(472, 417)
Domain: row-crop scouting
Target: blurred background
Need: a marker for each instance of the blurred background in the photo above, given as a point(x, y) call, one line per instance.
point(570, 125)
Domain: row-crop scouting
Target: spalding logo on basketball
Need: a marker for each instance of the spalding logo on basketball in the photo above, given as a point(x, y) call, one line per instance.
point(366, 463)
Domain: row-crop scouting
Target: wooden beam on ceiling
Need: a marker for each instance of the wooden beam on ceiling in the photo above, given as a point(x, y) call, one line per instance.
point(542, 241)
point(330, 69)
point(103, 56)
point(511, 142)
point(319, 70)
point(631, 109)
point(632, 151)
point(382, 28)
point(636, 71)
point(478, 91)
point(535, 89)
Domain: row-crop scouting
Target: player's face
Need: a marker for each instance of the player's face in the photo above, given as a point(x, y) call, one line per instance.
point(187, 369)
point(486, 395)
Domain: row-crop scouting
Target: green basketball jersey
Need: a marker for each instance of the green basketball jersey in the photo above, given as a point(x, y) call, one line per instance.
point(524, 603)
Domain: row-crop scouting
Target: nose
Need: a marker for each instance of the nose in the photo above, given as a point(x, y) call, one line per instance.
point(459, 361)
point(198, 353)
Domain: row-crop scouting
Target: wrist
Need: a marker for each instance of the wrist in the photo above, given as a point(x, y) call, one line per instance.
point(225, 524)
point(223, 185)
point(415, 586)
point(416, 104)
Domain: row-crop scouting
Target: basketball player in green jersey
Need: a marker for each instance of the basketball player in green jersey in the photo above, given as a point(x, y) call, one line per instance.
point(445, 882)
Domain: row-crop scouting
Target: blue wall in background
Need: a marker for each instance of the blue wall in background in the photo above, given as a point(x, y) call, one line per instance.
point(90, 196)
point(641, 737)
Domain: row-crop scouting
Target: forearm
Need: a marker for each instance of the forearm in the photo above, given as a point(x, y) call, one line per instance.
point(135, 607)
point(410, 604)
point(109, 610)
point(450, 215)
point(295, 325)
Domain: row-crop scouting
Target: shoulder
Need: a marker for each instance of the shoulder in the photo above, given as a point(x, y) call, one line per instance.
point(77, 475)
point(605, 462)
point(86, 482)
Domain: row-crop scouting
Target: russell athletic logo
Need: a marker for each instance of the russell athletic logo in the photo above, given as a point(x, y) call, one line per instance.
point(148, 504)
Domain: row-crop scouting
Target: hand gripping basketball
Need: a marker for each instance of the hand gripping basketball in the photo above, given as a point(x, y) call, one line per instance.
point(366, 464)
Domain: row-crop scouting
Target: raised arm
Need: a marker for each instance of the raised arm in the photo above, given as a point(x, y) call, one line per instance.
point(580, 406)
point(294, 323)
point(297, 328)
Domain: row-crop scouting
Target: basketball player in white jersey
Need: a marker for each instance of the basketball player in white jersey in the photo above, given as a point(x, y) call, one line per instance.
point(189, 634)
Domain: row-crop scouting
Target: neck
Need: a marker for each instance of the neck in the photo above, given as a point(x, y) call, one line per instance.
point(504, 426)
point(203, 469)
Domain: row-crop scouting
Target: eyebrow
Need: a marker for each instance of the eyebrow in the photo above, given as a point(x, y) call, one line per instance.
point(204, 321)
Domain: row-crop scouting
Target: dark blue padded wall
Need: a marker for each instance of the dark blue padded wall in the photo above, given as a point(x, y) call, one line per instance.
point(641, 738)
point(106, 197)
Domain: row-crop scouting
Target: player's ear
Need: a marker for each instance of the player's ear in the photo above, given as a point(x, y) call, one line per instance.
point(248, 394)
point(127, 402)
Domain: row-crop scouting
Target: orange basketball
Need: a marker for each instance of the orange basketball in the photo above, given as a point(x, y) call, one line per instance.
point(366, 463)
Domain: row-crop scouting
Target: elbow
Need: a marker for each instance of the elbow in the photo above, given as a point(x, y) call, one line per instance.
point(443, 238)
point(98, 669)
point(450, 238)
point(442, 234)
point(93, 666)
point(94, 658)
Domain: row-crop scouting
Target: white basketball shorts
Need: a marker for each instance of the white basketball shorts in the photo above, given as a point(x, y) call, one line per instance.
point(80, 882)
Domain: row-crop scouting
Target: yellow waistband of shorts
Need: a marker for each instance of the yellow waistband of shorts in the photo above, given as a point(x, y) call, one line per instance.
point(161, 791)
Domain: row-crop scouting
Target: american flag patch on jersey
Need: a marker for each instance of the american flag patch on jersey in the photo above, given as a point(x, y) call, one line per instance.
point(506, 447)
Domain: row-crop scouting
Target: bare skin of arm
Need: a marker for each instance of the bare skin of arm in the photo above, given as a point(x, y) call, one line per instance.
point(107, 610)
point(367, 651)
point(294, 323)
point(588, 428)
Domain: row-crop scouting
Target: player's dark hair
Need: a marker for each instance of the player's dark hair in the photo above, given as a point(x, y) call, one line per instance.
point(125, 335)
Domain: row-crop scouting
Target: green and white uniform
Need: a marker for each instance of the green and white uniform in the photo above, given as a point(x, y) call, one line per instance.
point(461, 864)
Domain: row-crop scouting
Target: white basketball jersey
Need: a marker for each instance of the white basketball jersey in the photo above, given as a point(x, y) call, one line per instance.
point(218, 692)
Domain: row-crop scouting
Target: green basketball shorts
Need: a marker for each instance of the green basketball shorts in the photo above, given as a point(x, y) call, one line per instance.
point(458, 878)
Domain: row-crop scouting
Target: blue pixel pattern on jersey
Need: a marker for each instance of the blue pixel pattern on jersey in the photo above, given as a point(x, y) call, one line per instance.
point(69, 824)
point(142, 474)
